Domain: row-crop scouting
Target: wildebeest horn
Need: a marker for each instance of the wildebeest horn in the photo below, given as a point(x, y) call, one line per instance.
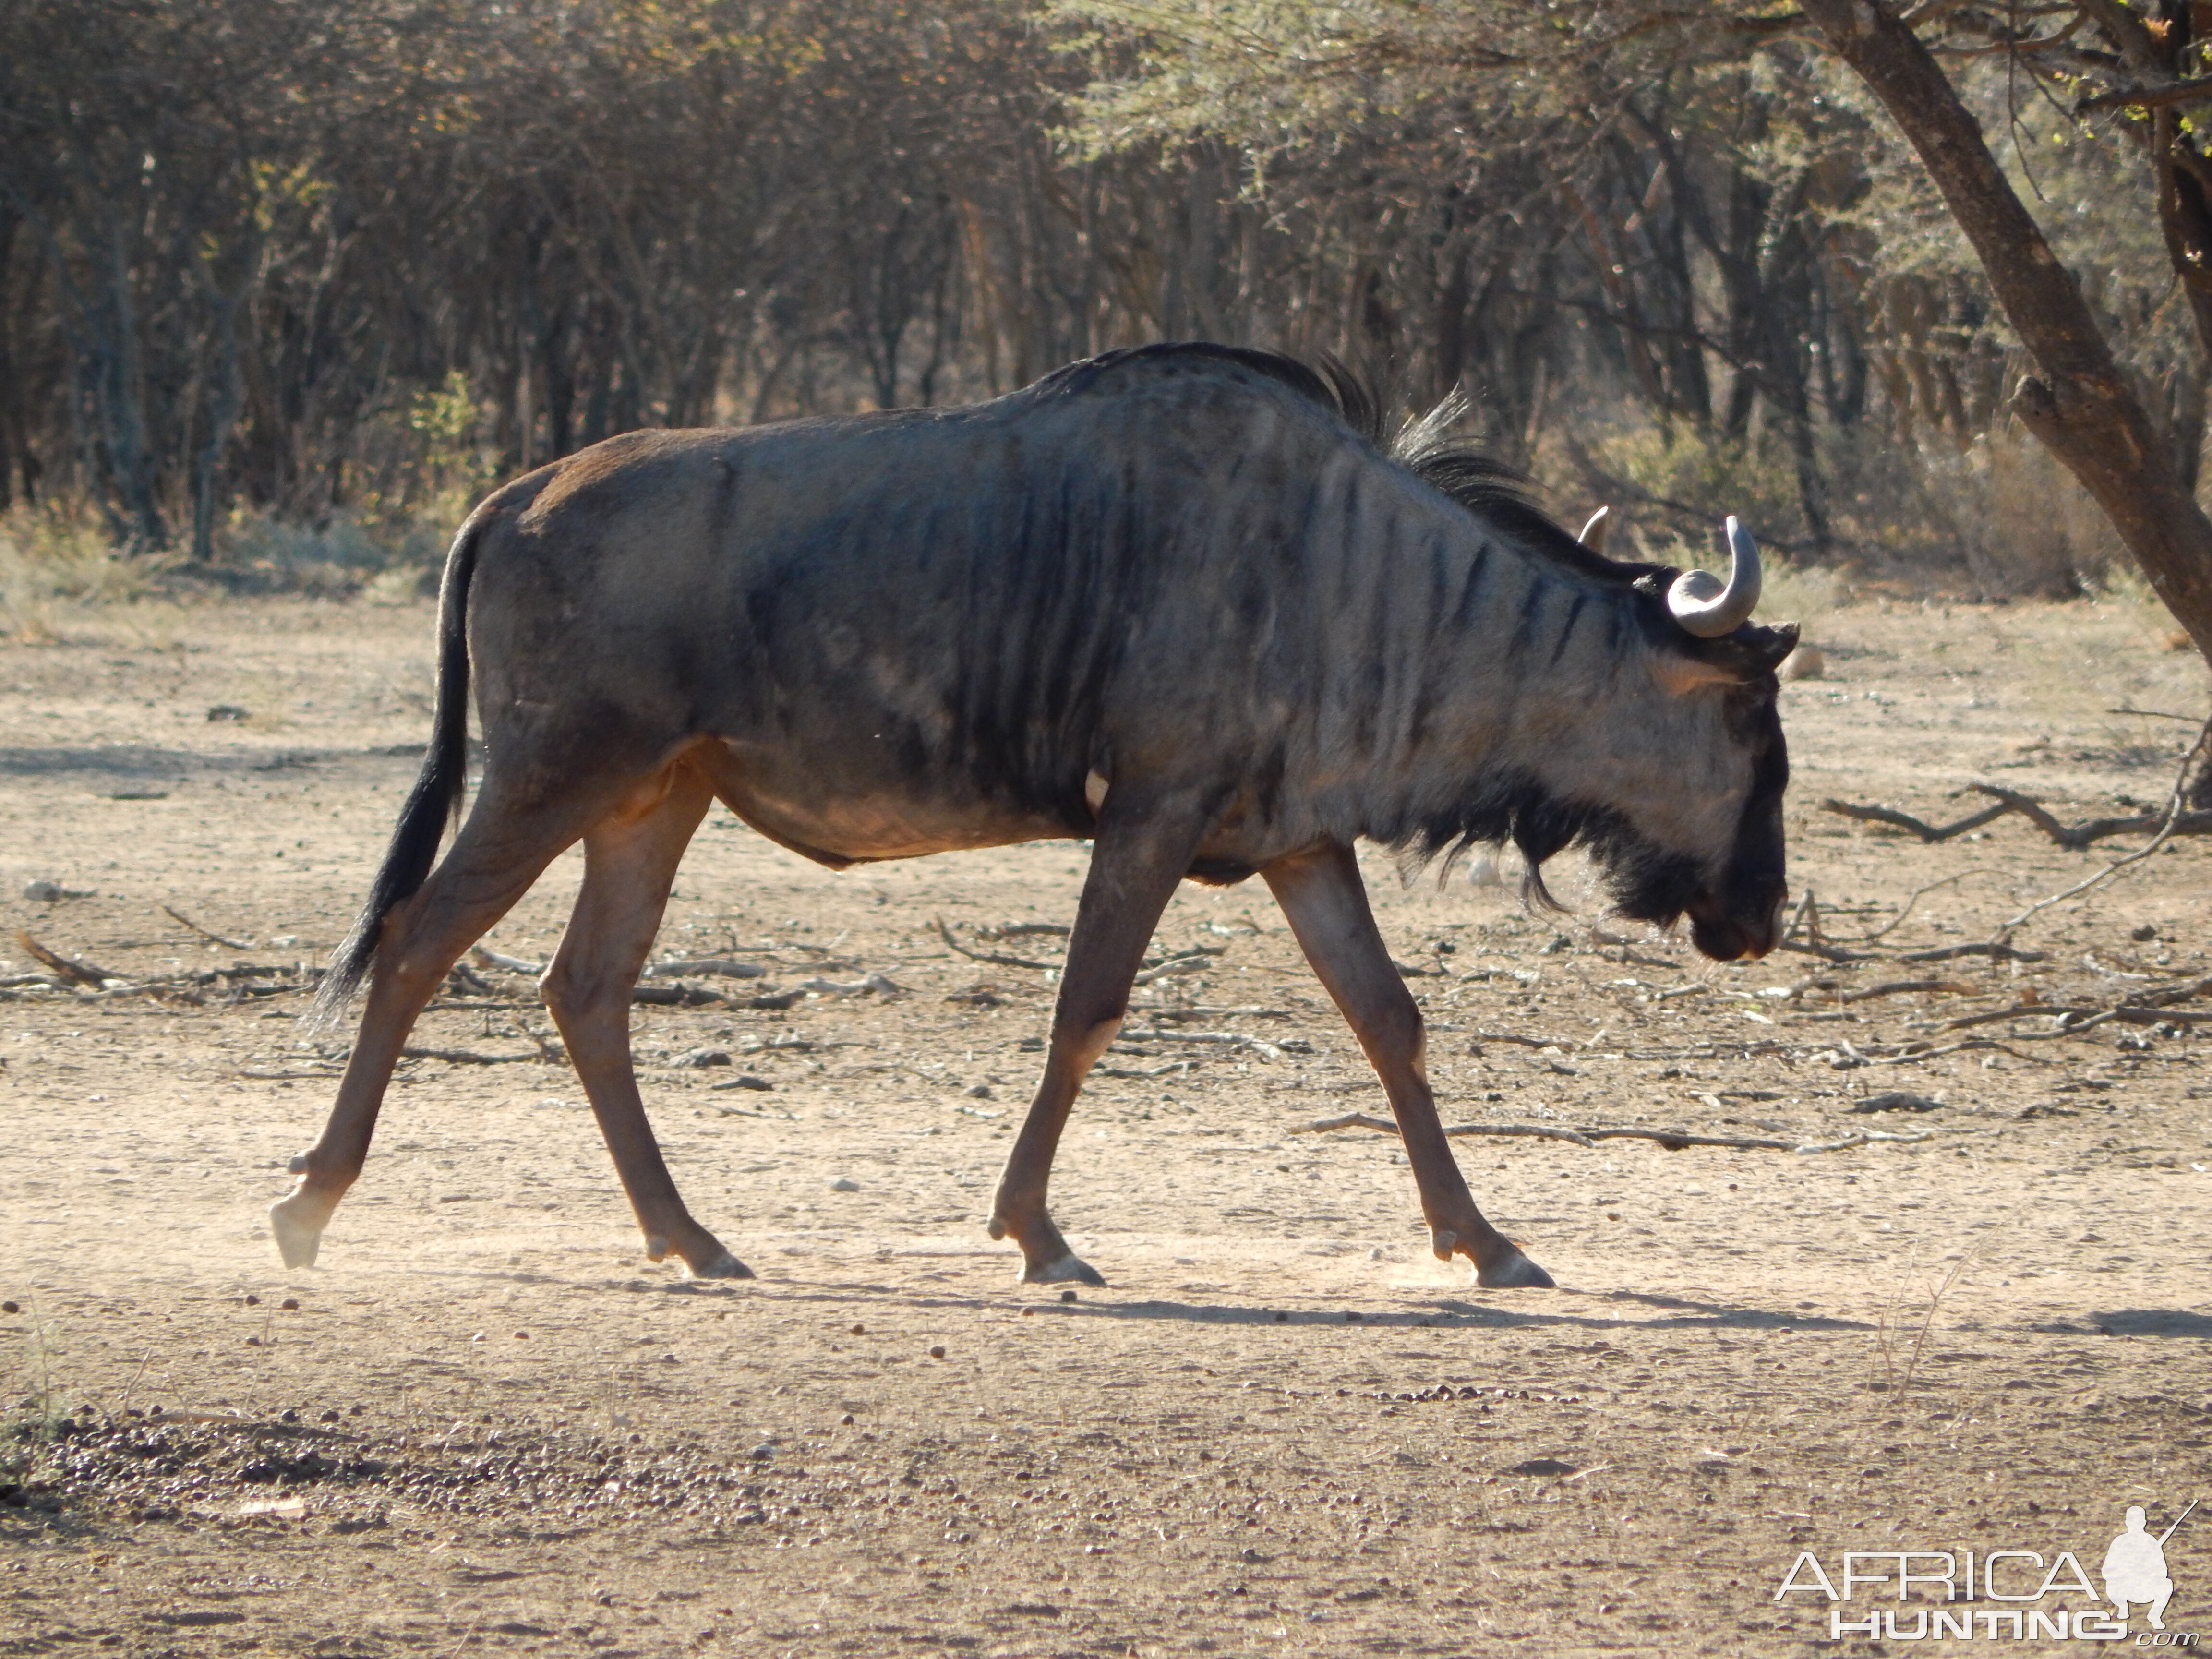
point(1703, 605)
point(1593, 536)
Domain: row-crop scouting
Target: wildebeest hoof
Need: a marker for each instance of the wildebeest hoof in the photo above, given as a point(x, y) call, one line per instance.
point(1512, 1271)
point(723, 1265)
point(1065, 1270)
point(297, 1238)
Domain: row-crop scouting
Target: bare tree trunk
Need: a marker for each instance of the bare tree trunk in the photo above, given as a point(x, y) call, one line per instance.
point(119, 385)
point(2081, 407)
point(222, 416)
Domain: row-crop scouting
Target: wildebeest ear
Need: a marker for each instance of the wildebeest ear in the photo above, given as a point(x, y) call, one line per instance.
point(1755, 649)
point(1751, 651)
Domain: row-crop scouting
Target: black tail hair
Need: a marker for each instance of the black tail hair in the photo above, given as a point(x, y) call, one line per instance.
point(435, 803)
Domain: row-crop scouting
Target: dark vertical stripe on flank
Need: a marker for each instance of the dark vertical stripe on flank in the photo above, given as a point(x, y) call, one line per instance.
point(1524, 620)
point(1470, 588)
point(1567, 628)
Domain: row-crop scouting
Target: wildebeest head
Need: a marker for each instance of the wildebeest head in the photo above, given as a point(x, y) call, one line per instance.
point(1676, 791)
point(1709, 651)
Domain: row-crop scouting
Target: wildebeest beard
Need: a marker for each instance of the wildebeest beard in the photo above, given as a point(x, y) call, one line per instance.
point(1644, 881)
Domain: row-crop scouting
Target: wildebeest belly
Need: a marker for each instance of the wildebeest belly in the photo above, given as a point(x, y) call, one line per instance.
point(839, 813)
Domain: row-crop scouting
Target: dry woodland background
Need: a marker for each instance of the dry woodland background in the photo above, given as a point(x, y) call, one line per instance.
point(1916, 1259)
point(485, 1422)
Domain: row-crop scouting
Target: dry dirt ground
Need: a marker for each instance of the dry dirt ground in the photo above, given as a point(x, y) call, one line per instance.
point(486, 1423)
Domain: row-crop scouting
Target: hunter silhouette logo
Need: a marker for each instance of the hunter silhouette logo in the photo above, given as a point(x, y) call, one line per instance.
point(2134, 1567)
point(1999, 1595)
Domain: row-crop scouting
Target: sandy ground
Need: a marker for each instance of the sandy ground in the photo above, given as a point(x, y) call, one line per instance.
point(486, 1423)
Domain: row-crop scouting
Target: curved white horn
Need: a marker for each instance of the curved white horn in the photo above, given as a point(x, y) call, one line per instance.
point(1706, 608)
point(1593, 536)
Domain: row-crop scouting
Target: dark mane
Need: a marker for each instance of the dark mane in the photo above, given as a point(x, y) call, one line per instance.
point(1489, 489)
point(1495, 491)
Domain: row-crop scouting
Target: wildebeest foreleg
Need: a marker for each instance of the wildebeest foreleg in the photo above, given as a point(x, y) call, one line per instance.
point(1321, 894)
point(502, 849)
point(629, 863)
point(1141, 852)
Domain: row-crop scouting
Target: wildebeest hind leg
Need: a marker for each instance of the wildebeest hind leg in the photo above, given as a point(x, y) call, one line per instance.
point(629, 863)
point(1321, 894)
point(1143, 848)
point(500, 850)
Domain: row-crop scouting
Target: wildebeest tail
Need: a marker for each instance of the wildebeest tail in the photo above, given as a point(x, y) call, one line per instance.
point(434, 802)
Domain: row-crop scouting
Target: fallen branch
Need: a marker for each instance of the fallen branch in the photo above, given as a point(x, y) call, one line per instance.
point(2073, 837)
point(874, 984)
point(469, 1057)
point(1826, 953)
point(1927, 832)
point(1189, 963)
point(1672, 1140)
point(2174, 817)
point(231, 944)
point(998, 958)
point(1259, 1046)
point(487, 958)
point(698, 996)
point(1914, 1055)
point(2156, 714)
point(1911, 899)
point(1994, 951)
point(1905, 988)
point(1365, 1121)
point(724, 966)
point(2076, 1018)
point(69, 972)
point(1533, 1041)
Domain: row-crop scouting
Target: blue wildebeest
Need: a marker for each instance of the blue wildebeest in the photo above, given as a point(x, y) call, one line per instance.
point(1178, 600)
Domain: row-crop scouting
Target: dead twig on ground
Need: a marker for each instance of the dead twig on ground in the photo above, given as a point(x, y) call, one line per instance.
point(1826, 953)
point(726, 967)
point(1913, 1055)
point(230, 944)
point(1672, 1140)
point(2167, 830)
point(1259, 1045)
point(1927, 1325)
point(698, 996)
point(1018, 929)
point(1906, 988)
point(1911, 899)
point(2150, 1007)
point(71, 973)
point(874, 984)
point(1187, 962)
point(1930, 833)
point(998, 958)
point(1515, 1038)
point(489, 958)
point(470, 1057)
point(2073, 837)
point(1995, 952)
